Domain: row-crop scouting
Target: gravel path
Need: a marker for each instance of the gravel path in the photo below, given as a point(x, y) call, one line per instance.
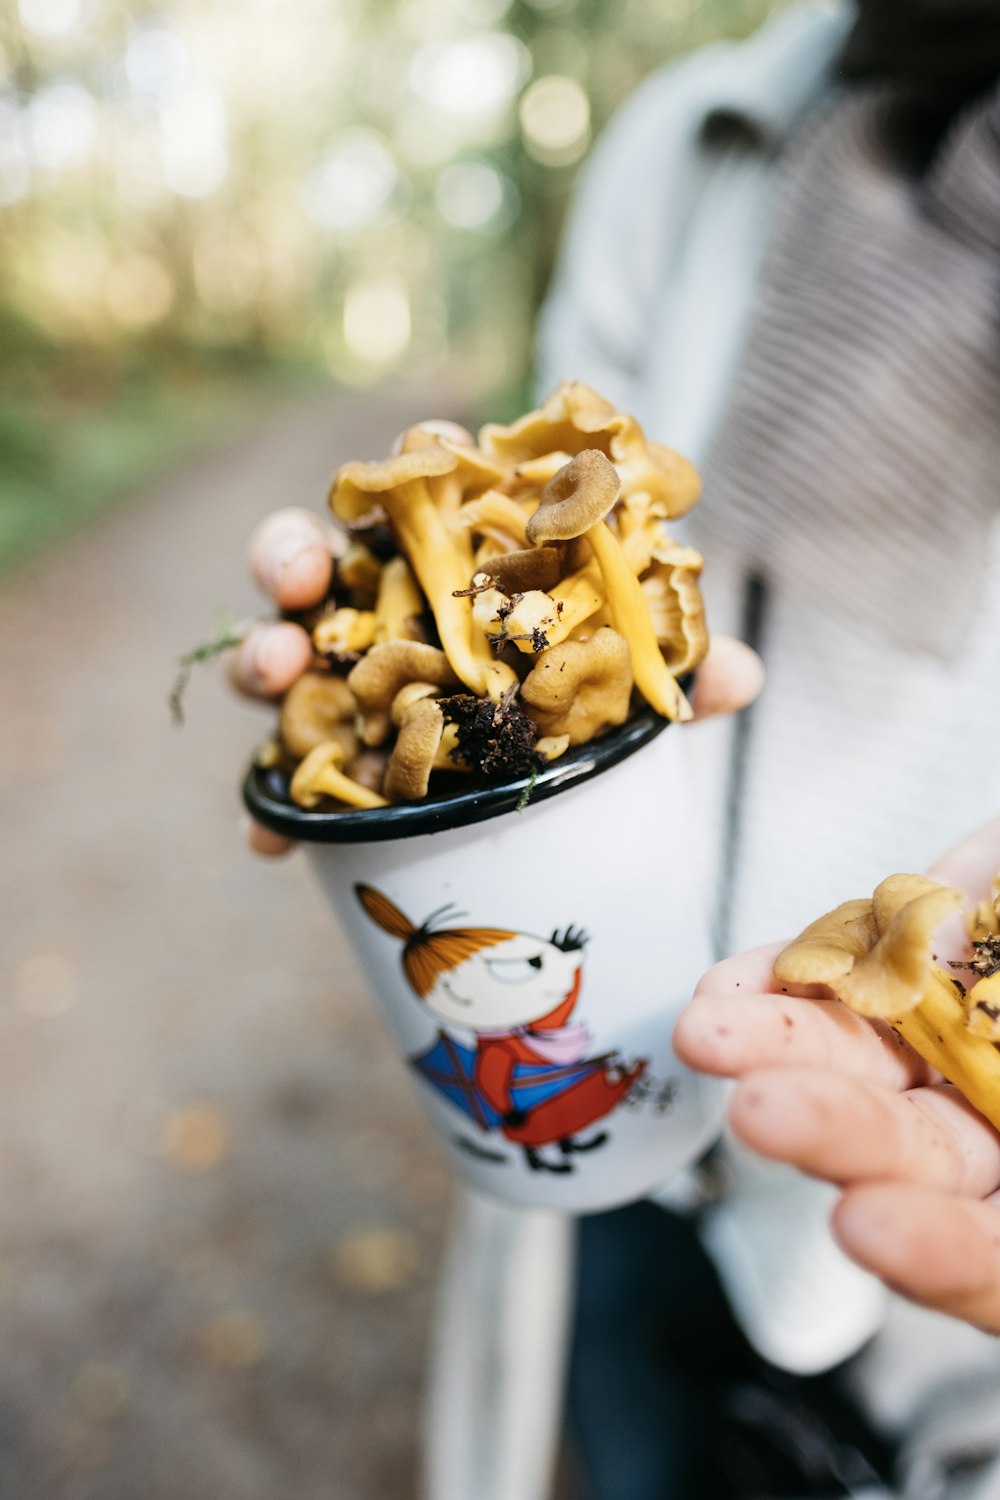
point(222, 1207)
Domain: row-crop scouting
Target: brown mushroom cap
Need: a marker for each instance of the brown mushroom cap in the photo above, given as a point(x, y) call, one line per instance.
point(316, 708)
point(368, 769)
point(412, 759)
point(519, 572)
point(582, 493)
point(580, 688)
point(385, 669)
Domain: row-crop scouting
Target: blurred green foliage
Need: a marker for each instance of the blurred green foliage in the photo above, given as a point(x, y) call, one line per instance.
point(204, 200)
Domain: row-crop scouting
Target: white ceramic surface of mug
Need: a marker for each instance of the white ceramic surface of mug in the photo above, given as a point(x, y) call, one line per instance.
point(530, 969)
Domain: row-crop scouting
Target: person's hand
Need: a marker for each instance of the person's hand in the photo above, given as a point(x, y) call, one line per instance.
point(291, 555)
point(845, 1099)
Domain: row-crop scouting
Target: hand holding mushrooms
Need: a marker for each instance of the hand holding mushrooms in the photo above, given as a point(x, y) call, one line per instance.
point(480, 608)
point(866, 1053)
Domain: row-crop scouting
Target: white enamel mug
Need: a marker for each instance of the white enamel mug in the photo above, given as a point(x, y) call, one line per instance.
point(530, 964)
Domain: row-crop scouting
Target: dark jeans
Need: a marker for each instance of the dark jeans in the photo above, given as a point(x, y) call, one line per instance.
point(667, 1401)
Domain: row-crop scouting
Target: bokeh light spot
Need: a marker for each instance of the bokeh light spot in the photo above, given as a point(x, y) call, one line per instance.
point(195, 1139)
point(193, 143)
point(354, 184)
point(156, 59)
point(475, 195)
point(15, 170)
point(375, 1260)
point(472, 77)
point(62, 127)
point(140, 291)
point(49, 18)
point(555, 119)
point(377, 322)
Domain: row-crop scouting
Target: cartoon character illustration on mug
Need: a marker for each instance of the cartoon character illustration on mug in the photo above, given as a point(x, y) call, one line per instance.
point(527, 1074)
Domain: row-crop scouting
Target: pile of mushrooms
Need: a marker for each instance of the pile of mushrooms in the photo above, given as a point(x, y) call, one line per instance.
point(877, 956)
point(498, 602)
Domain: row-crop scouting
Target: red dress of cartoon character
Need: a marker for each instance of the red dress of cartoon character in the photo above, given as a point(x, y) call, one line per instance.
point(528, 1075)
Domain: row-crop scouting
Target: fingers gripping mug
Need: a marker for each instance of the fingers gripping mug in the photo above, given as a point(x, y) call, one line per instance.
point(530, 963)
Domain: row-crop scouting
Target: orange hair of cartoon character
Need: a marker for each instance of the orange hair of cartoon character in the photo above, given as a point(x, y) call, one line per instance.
point(427, 954)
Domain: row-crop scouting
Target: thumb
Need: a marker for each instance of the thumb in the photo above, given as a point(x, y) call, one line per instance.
point(729, 678)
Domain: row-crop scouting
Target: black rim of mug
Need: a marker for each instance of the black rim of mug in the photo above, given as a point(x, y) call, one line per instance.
point(265, 793)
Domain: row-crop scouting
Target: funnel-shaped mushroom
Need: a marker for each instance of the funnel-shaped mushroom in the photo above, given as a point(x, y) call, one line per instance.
point(892, 978)
point(406, 488)
point(474, 473)
point(575, 418)
point(573, 504)
point(320, 775)
point(877, 956)
point(673, 598)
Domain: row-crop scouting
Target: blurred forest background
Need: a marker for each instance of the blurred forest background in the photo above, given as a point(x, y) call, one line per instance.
point(207, 203)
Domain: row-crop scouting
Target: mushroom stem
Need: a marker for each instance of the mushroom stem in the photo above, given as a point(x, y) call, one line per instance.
point(581, 595)
point(936, 1029)
point(320, 775)
point(399, 602)
point(424, 537)
point(631, 616)
point(444, 759)
point(345, 631)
